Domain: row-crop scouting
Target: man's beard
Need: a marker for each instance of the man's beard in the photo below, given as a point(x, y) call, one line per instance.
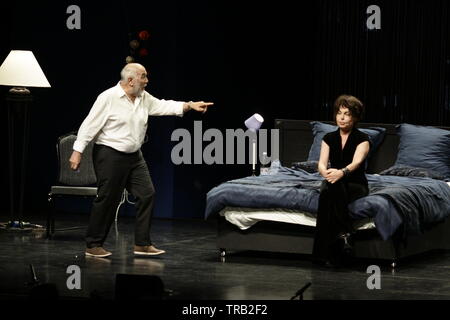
point(138, 90)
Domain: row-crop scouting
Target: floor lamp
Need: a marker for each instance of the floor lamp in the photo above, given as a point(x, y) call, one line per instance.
point(19, 70)
point(253, 124)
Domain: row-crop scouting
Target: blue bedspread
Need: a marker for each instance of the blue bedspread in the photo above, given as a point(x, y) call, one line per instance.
point(417, 202)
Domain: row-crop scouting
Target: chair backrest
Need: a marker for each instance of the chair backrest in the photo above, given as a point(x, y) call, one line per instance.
point(85, 176)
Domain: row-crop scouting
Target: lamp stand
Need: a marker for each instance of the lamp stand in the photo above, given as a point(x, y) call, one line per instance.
point(253, 157)
point(18, 102)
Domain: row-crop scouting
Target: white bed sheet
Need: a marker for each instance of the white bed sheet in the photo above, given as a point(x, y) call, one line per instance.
point(244, 218)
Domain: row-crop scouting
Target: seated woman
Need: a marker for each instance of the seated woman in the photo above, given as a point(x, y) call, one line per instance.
point(345, 180)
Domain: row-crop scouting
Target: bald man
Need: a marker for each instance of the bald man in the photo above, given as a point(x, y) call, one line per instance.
point(117, 122)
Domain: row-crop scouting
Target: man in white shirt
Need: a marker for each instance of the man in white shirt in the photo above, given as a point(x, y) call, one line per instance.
point(117, 123)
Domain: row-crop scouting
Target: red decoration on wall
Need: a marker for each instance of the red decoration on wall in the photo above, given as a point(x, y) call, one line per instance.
point(143, 52)
point(144, 35)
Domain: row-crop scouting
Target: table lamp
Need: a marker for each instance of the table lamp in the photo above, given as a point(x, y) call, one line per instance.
point(253, 124)
point(19, 70)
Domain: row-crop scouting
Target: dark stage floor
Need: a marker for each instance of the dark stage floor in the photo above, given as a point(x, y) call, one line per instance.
point(191, 268)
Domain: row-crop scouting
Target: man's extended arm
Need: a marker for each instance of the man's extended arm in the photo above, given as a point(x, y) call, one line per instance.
point(200, 106)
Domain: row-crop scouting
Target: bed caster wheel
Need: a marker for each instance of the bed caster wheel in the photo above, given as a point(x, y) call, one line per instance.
point(223, 253)
point(393, 264)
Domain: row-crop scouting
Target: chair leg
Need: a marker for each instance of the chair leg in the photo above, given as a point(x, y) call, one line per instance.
point(48, 226)
point(49, 215)
point(53, 226)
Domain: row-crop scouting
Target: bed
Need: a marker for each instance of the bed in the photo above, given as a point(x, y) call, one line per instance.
point(249, 218)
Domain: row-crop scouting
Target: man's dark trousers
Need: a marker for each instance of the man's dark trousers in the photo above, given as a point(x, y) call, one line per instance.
point(116, 171)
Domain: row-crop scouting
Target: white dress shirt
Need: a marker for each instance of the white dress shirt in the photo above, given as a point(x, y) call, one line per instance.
point(117, 122)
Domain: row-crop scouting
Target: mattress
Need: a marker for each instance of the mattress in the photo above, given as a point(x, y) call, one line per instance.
point(244, 218)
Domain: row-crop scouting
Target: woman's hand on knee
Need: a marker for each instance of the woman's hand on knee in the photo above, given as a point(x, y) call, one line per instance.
point(333, 175)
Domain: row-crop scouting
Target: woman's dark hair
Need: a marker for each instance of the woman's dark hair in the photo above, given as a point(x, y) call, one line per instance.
point(353, 104)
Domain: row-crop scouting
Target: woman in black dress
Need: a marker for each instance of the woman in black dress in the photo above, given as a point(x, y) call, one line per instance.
point(346, 149)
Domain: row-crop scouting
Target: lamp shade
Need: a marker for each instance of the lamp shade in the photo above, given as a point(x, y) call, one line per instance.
point(254, 122)
point(21, 69)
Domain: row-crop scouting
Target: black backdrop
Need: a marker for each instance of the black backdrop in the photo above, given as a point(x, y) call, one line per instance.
point(281, 59)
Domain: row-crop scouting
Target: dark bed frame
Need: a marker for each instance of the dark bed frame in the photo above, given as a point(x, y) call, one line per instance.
point(295, 141)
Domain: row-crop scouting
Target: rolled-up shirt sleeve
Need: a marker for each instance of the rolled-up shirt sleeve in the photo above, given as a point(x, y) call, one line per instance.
point(96, 119)
point(161, 107)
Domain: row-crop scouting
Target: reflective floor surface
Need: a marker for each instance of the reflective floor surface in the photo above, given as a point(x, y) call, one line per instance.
point(192, 268)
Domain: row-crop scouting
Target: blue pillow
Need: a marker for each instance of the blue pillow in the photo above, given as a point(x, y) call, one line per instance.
point(424, 147)
point(407, 171)
point(319, 129)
